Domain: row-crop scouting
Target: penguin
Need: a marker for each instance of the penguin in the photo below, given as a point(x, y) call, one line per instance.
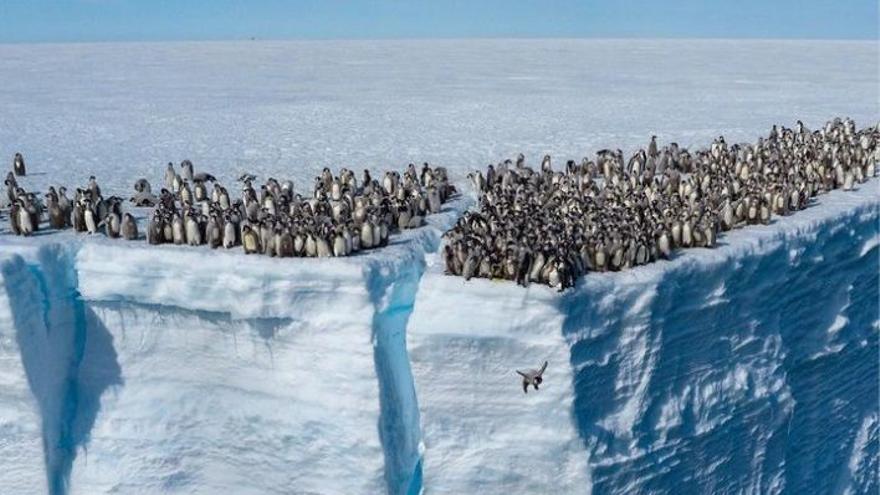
point(366, 235)
point(93, 187)
point(111, 224)
point(91, 226)
point(192, 231)
point(200, 192)
point(26, 225)
point(213, 233)
point(204, 177)
point(186, 170)
point(532, 377)
point(155, 230)
point(170, 176)
point(57, 217)
point(18, 166)
point(14, 225)
point(311, 246)
point(284, 244)
point(652, 148)
point(128, 228)
point(11, 186)
point(229, 236)
point(144, 199)
point(250, 241)
point(339, 248)
point(267, 238)
point(323, 247)
point(178, 231)
point(142, 186)
point(78, 218)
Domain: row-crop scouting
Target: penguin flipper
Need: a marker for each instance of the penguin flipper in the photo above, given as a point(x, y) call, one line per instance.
point(543, 367)
point(520, 373)
point(525, 387)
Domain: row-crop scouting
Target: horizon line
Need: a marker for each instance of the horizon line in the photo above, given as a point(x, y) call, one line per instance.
point(431, 38)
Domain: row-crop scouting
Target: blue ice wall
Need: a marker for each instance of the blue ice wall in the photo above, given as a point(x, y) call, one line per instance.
point(749, 368)
point(66, 353)
point(749, 372)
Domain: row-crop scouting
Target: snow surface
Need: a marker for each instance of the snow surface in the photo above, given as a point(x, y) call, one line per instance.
point(127, 368)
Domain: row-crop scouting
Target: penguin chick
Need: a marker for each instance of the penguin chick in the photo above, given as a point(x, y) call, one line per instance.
point(532, 377)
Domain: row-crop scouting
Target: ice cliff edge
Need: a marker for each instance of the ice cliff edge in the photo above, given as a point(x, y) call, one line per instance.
point(748, 367)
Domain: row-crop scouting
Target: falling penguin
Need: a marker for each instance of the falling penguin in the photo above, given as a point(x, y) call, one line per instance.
point(532, 377)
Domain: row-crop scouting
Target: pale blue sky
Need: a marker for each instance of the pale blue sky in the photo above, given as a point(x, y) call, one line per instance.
point(130, 20)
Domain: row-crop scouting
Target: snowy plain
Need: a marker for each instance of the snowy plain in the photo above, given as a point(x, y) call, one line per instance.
point(126, 368)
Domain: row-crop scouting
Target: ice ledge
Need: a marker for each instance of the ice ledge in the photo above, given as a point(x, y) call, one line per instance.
point(202, 279)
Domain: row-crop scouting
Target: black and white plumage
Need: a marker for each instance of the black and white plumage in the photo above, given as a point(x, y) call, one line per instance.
point(609, 213)
point(18, 165)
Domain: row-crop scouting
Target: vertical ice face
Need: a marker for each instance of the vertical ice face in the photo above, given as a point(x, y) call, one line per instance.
point(67, 357)
point(21, 441)
point(263, 404)
point(749, 368)
point(186, 370)
point(482, 434)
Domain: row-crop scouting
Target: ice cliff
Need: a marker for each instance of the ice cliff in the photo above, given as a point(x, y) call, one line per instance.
point(127, 368)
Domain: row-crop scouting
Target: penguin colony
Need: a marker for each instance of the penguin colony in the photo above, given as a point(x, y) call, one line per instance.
point(609, 214)
point(342, 216)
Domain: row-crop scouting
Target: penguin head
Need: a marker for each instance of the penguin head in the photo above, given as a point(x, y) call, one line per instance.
point(538, 380)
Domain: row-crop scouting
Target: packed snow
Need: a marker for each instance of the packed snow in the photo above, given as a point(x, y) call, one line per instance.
point(129, 368)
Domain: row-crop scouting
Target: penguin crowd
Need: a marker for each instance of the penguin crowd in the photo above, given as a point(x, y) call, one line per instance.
point(87, 211)
point(611, 213)
point(343, 214)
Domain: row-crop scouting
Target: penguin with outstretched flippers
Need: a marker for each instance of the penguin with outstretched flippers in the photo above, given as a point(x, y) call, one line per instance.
point(532, 377)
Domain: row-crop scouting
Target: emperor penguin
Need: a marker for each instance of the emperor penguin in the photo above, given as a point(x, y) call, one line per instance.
point(111, 224)
point(89, 218)
point(192, 230)
point(652, 147)
point(186, 170)
point(11, 186)
point(200, 191)
point(93, 187)
point(57, 218)
point(229, 233)
point(178, 234)
point(142, 186)
point(13, 218)
point(323, 247)
point(170, 175)
point(78, 217)
point(250, 241)
point(366, 235)
point(339, 247)
point(25, 219)
point(18, 165)
point(546, 165)
point(267, 238)
point(213, 232)
point(155, 230)
point(532, 377)
point(284, 244)
point(434, 201)
point(129, 227)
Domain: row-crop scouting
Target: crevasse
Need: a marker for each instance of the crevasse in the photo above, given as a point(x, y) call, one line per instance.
point(748, 368)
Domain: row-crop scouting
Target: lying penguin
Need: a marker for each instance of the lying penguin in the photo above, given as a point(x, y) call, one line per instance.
point(532, 377)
